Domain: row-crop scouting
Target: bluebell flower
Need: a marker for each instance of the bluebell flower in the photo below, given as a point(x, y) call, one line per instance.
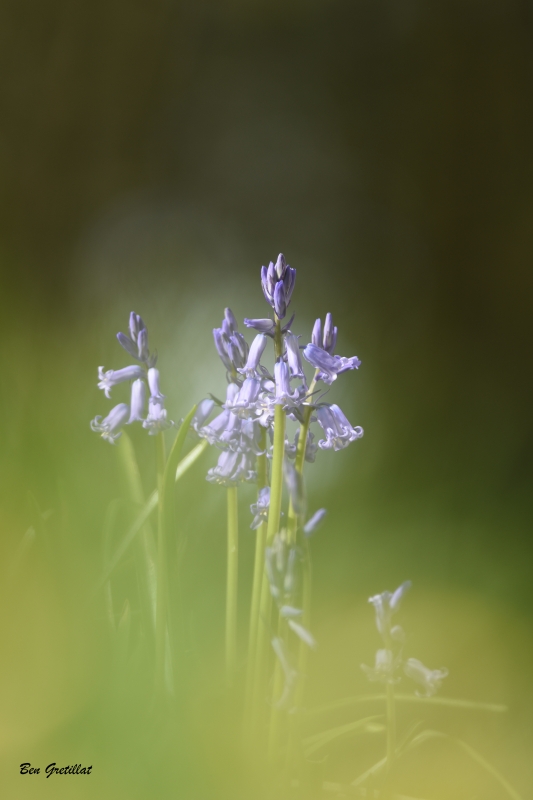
point(328, 366)
point(260, 509)
point(109, 427)
point(202, 413)
point(277, 282)
point(293, 356)
point(137, 342)
point(254, 356)
point(232, 468)
point(295, 485)
point(384, 668)
point(339, 432)
point(230, 344)
point(157, 419)
point(385, 605)
point(138, 401)
point(291, 448)
point(429, 679)
point(112, 377)
point(267, 326)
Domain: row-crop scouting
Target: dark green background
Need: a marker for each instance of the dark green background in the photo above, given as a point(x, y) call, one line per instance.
point(153, 156)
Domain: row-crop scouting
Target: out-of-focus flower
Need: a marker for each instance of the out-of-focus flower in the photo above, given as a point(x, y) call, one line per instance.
point(385, 605)
point(383, 669)
point(260, 509)
point(314, 522)
point(429, 679)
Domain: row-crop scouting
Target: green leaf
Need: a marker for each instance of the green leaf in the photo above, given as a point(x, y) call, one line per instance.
point(314, 743)
point(149, 507)
point(407, 698)
point(470, 751)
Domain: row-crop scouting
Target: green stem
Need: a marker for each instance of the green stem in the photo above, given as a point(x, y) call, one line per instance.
point(265, 604)
point(231, 584)
point(259, 568)
point(161, 610)
point(391, 726)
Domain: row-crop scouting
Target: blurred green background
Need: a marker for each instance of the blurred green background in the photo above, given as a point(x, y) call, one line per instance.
point(153, 155)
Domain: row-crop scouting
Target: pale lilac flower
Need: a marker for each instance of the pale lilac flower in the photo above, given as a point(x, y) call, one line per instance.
point(153, 383)
point(137, 342)
point(232, 468)
point(138, 401)
point(230, 344)
point(157, 419)
point(293, 356)
point(267, 326)
point(339, 432)
point(277, 282)
point(384, 668)
point(254, 355)
point(429, 679)
point(295, 485)
point(260, 509)
point(328, 366)
point(201, 414)
point(284, 395)
point(244, 403)
point(112, 377)
point(109, 427)
point(314, 522)
point(385, 605)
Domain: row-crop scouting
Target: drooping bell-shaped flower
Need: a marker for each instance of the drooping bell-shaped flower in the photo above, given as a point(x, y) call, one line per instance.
point(260, 509)
point(383, 669)
point(429, 679)
point(329, 366)
point(254, 356)
point(339, 432)
point(112, 377)
point(230, 344)
point(138, 401)
point(294, 360)
point(109, 427)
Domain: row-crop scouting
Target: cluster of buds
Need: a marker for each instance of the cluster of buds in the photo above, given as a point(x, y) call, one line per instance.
point(389, 660)
point(144, 380)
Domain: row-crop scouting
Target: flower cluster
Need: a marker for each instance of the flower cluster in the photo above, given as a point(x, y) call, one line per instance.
point(144, 379)
point(254, 391)
point(389, 659)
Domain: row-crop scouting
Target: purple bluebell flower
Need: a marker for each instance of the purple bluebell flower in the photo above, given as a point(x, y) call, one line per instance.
point(157, 419)
point(112, 377)
point(339, 432)
point(201, 415)
point(314, 522)
point(230, 344)
point(254, 355)
point(153, 383)
point(385, 605)
point(267, 326)
point(244, 403)
point(260, 509)
point(138, 401)
point(137, 342)
point(293, 356)
point(232, 468)
point(109, 427)
point(429, 679)
point(328, 366)
point(284, 395)
point(277, 282)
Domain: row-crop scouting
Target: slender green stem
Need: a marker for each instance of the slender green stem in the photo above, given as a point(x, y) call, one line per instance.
point(259, 567)
point(265, 604)
point(391, 726)
point(161, 610)
point(231, 584)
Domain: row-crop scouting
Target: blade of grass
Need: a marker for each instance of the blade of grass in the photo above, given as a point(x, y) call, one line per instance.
point(406, 698)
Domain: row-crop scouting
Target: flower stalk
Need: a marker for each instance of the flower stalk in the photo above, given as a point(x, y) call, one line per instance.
point(232, 583)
